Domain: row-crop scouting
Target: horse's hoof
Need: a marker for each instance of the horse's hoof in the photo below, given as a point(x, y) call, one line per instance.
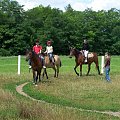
point(36, 85)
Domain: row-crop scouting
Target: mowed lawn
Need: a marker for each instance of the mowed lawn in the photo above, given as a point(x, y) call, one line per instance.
point(87, 92)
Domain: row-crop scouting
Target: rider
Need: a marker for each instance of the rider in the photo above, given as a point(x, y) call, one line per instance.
point(49, 51)
point(85, 49)
point(38, 49)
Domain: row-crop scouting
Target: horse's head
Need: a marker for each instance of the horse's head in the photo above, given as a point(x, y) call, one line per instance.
point(72, 52)
point(28, 55)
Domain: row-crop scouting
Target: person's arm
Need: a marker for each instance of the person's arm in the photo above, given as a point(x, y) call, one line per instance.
point(46, 50)
point(40, 49)
point(33, 48)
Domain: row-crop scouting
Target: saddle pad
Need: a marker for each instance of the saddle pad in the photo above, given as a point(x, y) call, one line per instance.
point(90, 55)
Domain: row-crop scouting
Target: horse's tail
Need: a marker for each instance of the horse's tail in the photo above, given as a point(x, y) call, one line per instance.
point(60, 63)
point(97, 63)
point(57, 61)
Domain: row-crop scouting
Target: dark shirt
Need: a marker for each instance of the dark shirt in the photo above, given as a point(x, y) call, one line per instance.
point(85, 46)
point(107, 61)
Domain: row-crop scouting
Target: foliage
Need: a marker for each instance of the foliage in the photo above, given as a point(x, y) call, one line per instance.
point(19, 29)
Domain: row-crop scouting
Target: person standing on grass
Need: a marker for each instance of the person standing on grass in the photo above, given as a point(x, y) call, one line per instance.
point(107, 66)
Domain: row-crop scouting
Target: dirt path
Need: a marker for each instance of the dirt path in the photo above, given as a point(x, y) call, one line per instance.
point(19, 89)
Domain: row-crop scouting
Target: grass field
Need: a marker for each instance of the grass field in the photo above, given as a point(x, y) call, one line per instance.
point(87, 92)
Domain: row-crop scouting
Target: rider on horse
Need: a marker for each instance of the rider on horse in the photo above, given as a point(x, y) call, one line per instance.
point(85, 49)
point(49, 51)
point(38, 49)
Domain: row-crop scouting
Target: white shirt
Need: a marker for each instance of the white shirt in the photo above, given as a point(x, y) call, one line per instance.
point(49, 49)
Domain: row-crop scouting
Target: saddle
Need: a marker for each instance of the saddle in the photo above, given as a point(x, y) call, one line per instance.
point(51, 59)
point(89, 55)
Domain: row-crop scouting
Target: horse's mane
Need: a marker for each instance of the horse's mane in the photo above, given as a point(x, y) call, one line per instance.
point(34, 54)
point(77, 51)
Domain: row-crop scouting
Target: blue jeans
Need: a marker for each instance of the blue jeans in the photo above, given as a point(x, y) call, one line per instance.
point(50, 56)
point(107, 70)
point(43, 59)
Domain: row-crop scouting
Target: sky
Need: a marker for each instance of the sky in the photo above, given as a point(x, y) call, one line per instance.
point(79, 5)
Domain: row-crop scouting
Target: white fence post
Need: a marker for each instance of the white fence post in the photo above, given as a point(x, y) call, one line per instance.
point(18, 64)
point(102, 64)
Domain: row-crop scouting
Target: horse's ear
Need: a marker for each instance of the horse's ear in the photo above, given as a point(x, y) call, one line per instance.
point(70, 47)
point(27, 50)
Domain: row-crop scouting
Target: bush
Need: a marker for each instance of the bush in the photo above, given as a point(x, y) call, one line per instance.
point(4, 52)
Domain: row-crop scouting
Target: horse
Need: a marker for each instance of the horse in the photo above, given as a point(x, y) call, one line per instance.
point(56, 65)
point(79, 60)
point(36, 64)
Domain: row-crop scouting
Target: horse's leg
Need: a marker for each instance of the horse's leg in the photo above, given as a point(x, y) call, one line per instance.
point(33, 76)
point(98, 70)
point(75, 69)
point(55, 71)
point(40, 74)
point(36, 78)
point(80, 69)
point(39, 77)
point(89, 67)
point(97, 66)
point(45, 73)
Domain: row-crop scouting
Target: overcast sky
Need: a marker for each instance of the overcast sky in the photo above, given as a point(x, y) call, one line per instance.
point(79, 5)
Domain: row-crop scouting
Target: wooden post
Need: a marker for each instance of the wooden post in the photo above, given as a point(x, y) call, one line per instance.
point(19, 64)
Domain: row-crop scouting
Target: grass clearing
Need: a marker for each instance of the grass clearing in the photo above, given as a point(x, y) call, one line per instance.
point(88, 92)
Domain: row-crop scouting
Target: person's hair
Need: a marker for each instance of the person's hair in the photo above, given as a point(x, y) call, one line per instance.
point(37, 41)
point(107, 53)
point(85, 41)
point(48, 42)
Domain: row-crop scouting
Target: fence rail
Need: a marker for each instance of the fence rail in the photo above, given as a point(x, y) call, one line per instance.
point(18, 63)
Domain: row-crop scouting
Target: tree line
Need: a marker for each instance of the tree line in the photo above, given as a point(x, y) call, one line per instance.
point(19, 29)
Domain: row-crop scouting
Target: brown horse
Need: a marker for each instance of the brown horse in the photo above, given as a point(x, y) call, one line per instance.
point(79, 60)
point(36, 64)
point(55, 66)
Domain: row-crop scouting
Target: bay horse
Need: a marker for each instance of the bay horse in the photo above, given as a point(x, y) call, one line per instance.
point(79, 60)
point(36, 64)
point(57, 64)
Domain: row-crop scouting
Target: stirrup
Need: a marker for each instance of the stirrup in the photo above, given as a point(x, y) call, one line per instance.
point(44, 66)
point(30, 67)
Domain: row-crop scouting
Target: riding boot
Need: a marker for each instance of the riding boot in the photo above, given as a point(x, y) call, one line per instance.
point(43, 62)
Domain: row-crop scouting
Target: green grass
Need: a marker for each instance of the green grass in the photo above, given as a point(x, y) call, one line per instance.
point(87, 92)
point(74, 92)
